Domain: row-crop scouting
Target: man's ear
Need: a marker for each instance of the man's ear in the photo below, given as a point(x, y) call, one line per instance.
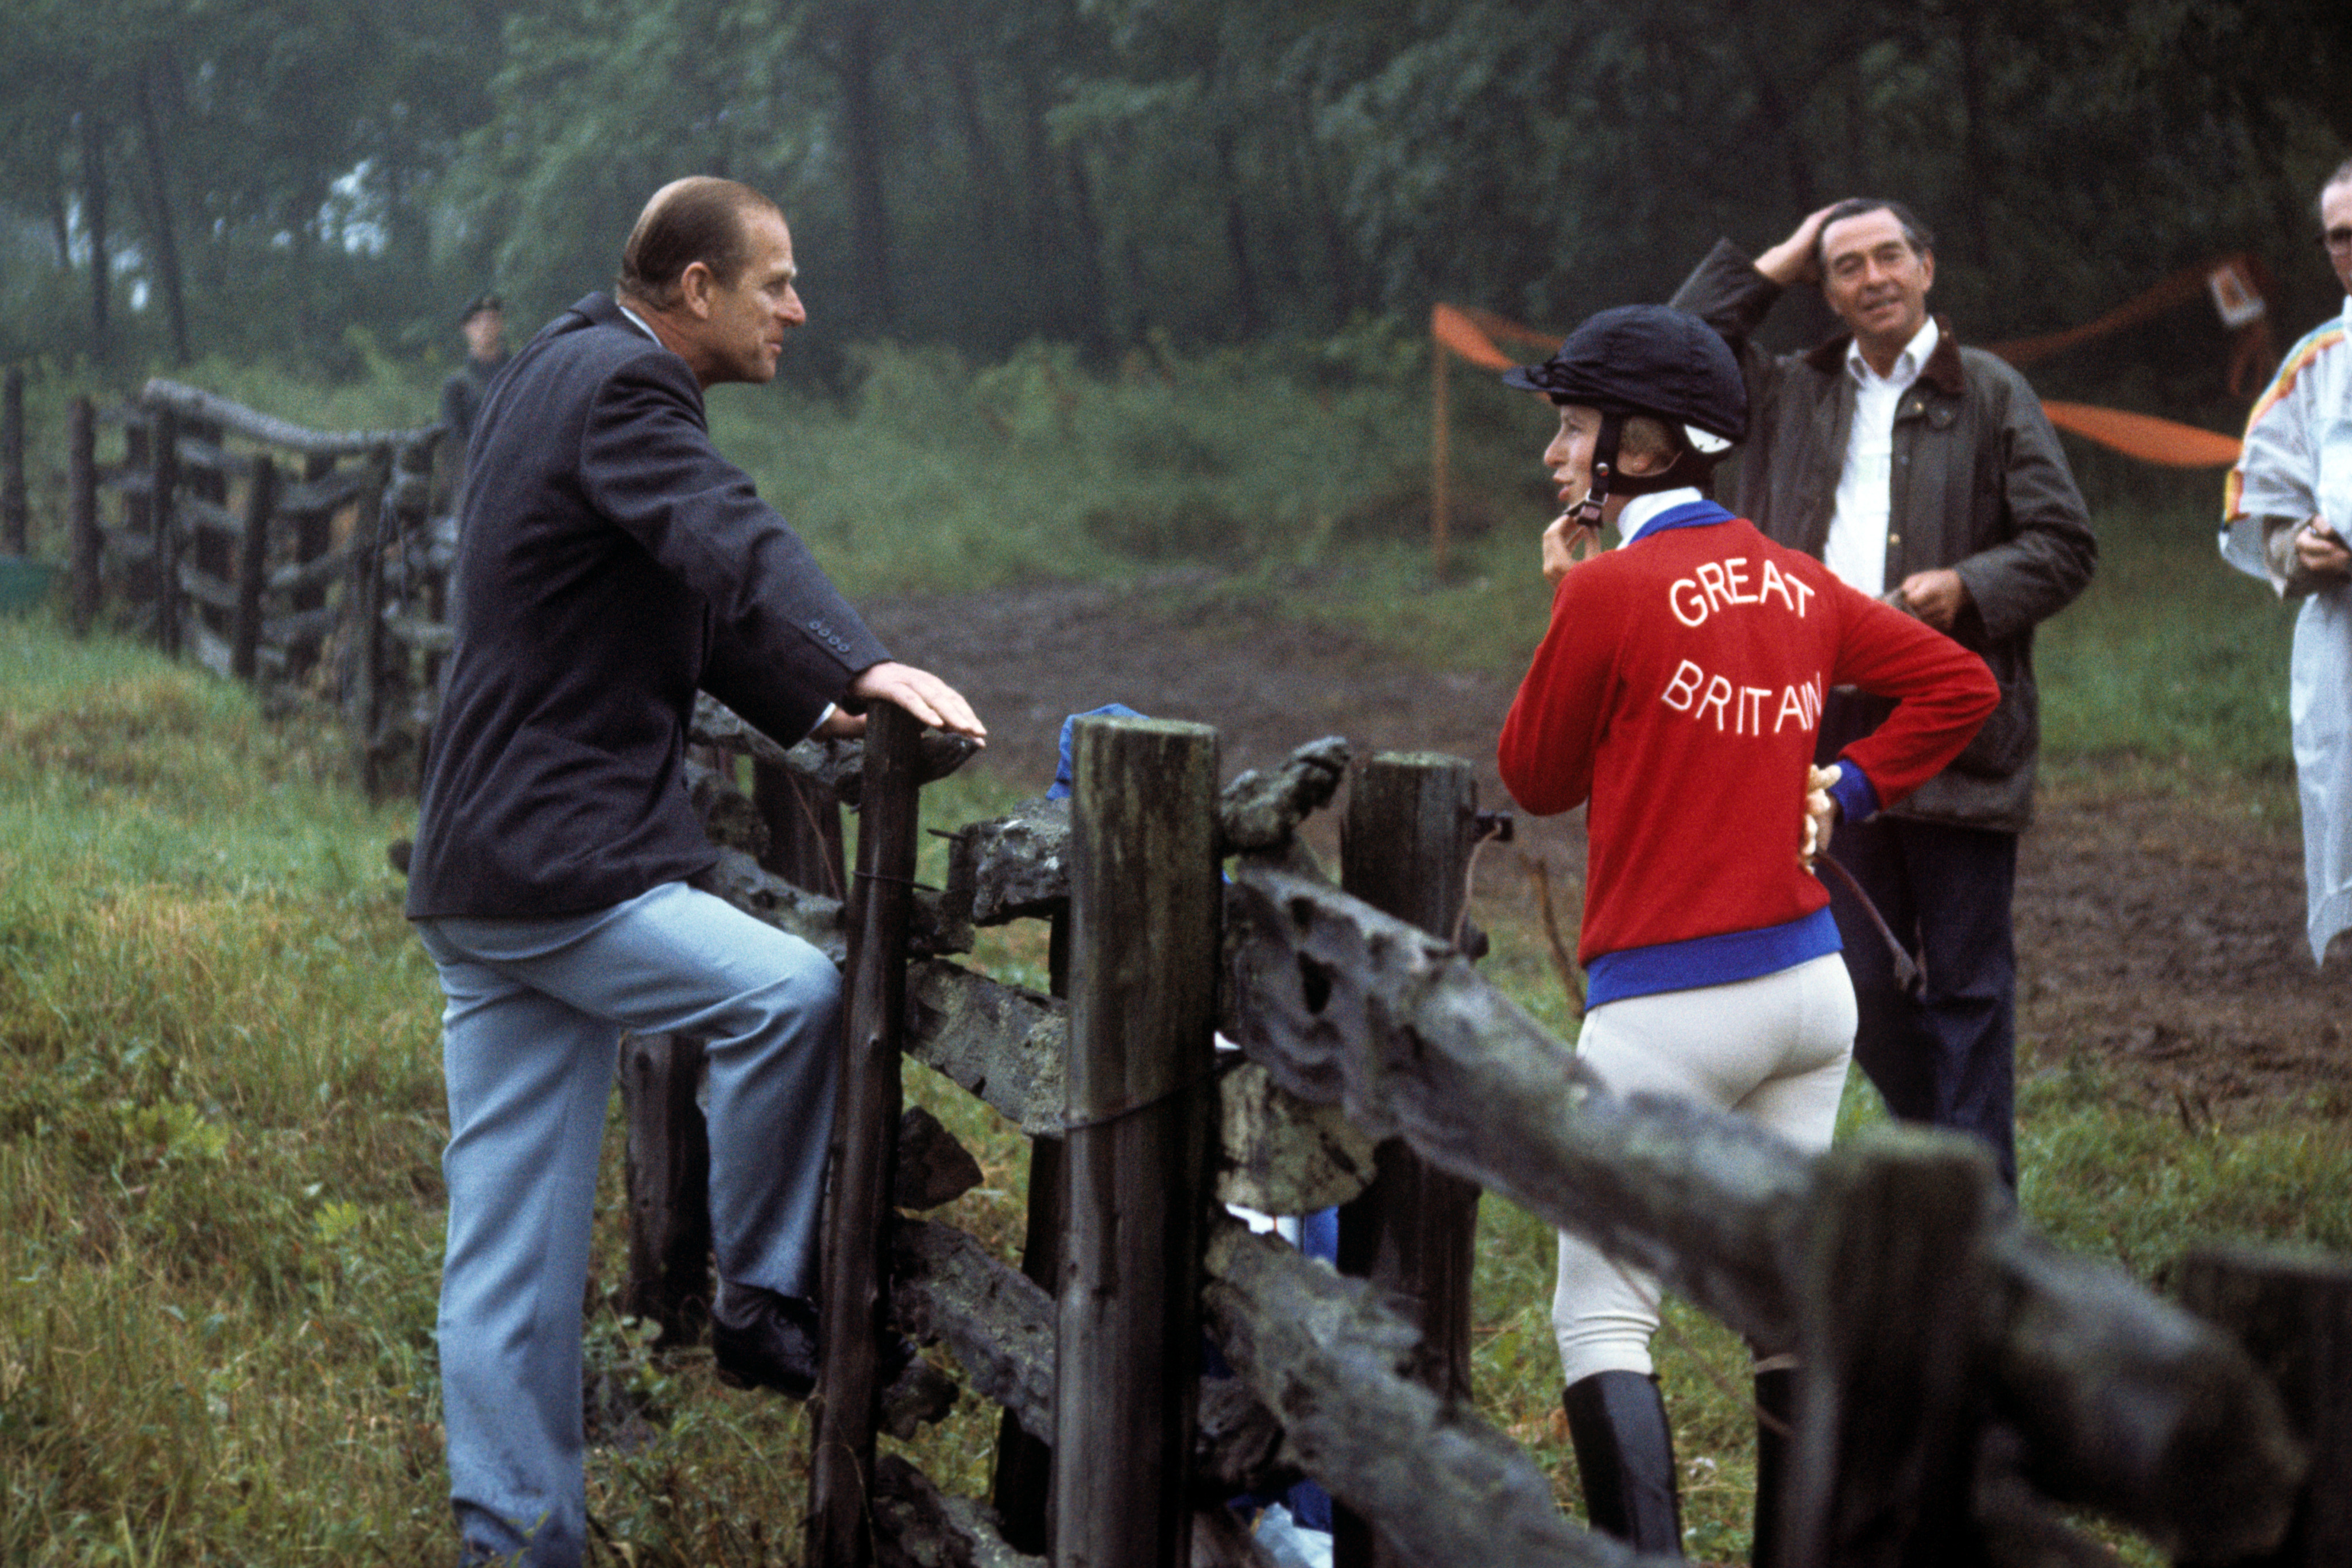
point(694, 287)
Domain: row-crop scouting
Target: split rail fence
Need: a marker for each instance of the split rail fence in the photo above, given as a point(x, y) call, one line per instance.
point(298, 560)
point(1965, 1387)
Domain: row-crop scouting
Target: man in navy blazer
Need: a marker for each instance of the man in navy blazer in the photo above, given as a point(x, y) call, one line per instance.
point(611, 563)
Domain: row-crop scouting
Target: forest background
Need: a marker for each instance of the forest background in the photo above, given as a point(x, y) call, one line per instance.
point(318, 182)
point(1093, 283)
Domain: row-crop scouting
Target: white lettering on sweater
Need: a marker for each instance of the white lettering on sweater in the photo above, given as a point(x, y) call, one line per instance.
point(1720, 584)
point(1739, 710)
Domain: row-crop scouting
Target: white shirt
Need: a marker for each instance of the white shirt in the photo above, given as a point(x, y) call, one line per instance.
point(1856, 548)
point(1642, 509)
point(640, 320)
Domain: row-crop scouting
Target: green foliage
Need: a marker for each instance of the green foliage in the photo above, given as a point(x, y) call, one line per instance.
point(937, 477)
point(179, 180)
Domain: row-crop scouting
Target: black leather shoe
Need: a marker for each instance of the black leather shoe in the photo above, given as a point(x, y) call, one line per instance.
point(762, 1340)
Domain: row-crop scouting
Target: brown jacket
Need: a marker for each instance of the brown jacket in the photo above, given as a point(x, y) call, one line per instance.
point(1981, 486)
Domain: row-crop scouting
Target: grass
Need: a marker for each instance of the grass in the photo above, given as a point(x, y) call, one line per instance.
point(220, 1107)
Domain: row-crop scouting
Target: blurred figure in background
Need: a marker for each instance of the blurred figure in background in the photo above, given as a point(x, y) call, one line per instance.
point(484, 325)
point(2286, 513)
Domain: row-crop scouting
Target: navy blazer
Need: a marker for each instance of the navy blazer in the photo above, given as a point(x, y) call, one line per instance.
point(610, 562)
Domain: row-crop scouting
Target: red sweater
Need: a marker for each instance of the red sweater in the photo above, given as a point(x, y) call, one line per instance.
point(1679, 689)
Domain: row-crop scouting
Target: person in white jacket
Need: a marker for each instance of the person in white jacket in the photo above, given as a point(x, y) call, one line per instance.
point(2287, 514)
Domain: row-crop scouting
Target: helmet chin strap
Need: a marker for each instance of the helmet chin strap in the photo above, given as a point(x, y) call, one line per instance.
point(1587, 512)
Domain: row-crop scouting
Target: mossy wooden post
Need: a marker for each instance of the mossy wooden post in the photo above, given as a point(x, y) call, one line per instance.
point(2292, 1312)
point(865, 1140)
point(1895, 1278)
point(13, 514)
point(81, 470)
point(252, 569)
point(1144, 902)
point(163, 516)
point(1021, 1488)
point(1404, 848)
point(668, 1185)
point(804, 842)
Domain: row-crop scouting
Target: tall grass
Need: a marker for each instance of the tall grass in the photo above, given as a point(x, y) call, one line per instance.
point(220, 1107)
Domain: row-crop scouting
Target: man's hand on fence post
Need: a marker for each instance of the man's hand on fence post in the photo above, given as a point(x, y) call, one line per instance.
point(922, 693)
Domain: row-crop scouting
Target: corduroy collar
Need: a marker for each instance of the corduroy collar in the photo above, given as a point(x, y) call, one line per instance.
point(1941, 371)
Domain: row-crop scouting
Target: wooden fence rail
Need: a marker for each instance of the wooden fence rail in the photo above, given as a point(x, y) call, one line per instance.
point(1963, 1382)
point(258, 547)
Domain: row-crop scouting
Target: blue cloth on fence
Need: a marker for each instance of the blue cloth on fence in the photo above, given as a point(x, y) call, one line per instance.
point(1064, 776)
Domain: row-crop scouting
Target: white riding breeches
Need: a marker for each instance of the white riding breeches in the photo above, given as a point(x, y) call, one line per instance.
point(1773, 1048)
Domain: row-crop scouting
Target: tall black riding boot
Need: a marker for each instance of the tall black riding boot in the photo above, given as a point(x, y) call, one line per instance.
point(1775, 1397)
point(1626, 1456)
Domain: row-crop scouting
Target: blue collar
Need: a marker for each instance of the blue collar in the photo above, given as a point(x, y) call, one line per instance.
point(1689, 515)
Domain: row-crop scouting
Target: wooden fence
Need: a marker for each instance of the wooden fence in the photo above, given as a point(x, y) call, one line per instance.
point(302, 560)
point(1965, 1387)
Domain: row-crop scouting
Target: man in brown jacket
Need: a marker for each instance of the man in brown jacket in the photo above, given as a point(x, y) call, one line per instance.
point(1925, 473)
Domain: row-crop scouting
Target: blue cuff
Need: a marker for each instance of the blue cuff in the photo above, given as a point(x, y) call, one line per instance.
point(1856, 797)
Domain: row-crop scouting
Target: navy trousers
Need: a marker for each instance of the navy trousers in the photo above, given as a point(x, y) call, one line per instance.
point(1948, 1057)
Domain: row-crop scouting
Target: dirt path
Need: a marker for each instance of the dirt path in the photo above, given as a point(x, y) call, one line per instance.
point(2163, 935)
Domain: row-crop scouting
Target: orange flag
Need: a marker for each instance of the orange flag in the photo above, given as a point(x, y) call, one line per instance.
point(1457, 331)
point(2144, 436)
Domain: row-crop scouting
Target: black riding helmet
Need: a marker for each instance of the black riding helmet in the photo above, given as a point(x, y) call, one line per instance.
point(1652, 359)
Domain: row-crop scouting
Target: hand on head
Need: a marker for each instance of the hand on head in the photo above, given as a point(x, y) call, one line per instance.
point(1797, 259)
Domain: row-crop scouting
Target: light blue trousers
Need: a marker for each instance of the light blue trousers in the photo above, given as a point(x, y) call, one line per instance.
point(530, 1038)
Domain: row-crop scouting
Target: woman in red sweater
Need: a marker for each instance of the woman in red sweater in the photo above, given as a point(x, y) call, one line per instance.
point(1677, 696)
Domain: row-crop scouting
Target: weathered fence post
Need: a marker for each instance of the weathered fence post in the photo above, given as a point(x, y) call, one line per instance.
point(2293, 1312)
point(1404, 850)
point(864, 1134)
point(1022, 1487)
point(668, 1185)
point(252, 569)
point(1895, 1274)
point(13, 514)
point(164, 518)
point(1143, 978)
point(81, 468)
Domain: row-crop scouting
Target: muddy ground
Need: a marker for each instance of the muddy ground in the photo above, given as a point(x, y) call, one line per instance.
point(2164, 933)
